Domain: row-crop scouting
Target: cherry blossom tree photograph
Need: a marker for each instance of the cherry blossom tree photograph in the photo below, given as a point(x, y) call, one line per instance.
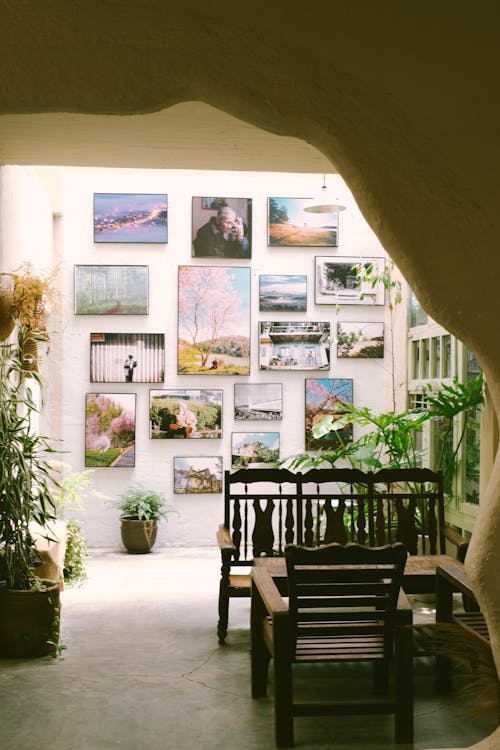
point(214, 320)
point(323, 397)
point(110, 429)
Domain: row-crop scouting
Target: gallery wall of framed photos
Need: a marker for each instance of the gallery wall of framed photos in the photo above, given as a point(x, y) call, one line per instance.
point(208, 321)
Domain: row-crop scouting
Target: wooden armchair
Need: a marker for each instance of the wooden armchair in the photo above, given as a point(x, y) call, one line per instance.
point(345, 604)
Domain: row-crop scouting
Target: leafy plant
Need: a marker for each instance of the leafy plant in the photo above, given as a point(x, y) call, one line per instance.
point(26, 476)
point(75, 568)
point(142, 504)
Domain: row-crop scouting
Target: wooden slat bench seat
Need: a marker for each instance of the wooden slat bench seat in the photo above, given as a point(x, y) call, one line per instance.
point(267, 509)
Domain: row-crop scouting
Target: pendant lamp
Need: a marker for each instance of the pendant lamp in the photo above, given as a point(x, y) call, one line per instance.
point(324, 203)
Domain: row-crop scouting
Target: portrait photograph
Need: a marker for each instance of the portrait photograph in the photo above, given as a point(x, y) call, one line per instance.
point(324, 396)
point(291, 226)
point(221, 227)
point(111, 290)
point(213, 320)
point(338, 283)
point(110, 429)
point(197, 475)
point(258, 401)
point(254, 450)
point(127, 357)
point(294, 345)
point(285, 293)
point(363, 340)
point(131, 217)
point(185, 413)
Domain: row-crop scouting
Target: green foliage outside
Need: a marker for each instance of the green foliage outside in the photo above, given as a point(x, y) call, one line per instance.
point(76, 556)
point(389, 440)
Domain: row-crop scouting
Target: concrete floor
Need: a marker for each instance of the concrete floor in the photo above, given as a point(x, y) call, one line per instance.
point(143, 671)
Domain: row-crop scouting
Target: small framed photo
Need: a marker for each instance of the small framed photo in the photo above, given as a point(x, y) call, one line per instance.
point(258, 401)
point(131, 217)
point(185, 413)
point(254, 450)
point(291, 226)
point(337, 282)
point(127, 357)
point(360, 340)
point(294, 345)
point(110, 429)
point(213, 320)
point(222, 227)
point(282, 293)
point(111, 290)
point(323, 397)
point(197, 475)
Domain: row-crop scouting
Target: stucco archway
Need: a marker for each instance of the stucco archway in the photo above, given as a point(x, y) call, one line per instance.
point(402, 99)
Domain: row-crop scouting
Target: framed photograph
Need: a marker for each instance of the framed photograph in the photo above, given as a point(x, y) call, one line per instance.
point(127, 357)
point(197, 475)
point(363, 340)
point(289, 225)
point(110, 429)
point(282, 293)
point(183, 413)
point(222, 227)
point(323, 397)
point(254, 450)
point(294, 345)
point(258, 401)
point(131, 217)
point(214, 321)
point(337, 283)
point(111, 290)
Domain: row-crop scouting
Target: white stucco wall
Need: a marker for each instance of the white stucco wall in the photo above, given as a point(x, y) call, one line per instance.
point(198, 515)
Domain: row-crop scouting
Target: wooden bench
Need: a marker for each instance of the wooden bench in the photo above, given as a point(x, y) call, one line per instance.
point(267, 509)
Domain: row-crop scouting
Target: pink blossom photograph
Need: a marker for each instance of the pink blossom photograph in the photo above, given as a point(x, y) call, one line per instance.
point(110, 429)
point(214, 321)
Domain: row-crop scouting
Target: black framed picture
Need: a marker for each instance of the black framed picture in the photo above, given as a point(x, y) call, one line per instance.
point(194, 475)
point(222, 227)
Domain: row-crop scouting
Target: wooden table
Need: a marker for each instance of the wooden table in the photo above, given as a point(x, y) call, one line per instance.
point(419, 576)
point(451, 579)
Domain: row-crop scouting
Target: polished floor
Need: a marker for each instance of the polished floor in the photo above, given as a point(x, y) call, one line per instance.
point(142, 670)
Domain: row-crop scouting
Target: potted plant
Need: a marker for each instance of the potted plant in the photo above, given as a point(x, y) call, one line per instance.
point(29, 607)
point(140, 511)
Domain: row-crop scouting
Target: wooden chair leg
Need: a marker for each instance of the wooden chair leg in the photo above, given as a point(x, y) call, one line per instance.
point(283, 687)
point(223, 612)
point(404, 684)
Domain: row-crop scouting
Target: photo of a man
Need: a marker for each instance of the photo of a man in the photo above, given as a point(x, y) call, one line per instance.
point(130, 364)
point(225, 232)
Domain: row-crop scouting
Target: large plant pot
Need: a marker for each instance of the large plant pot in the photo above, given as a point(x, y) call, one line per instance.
point(29, 622)
point(138, 536)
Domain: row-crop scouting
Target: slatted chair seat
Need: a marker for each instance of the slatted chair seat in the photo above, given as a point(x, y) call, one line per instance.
point(345, 604)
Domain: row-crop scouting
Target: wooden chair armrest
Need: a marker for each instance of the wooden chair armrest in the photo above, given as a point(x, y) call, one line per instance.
point(265, 585)
point(224, 539)
point(454, 536)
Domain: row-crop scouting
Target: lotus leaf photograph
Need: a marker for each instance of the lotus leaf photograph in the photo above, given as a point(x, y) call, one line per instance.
point(214, 321)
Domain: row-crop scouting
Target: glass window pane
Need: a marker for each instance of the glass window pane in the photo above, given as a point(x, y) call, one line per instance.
point(436, 357)
point(415, 359)
point(418, 316)
point(446, 372)
point(425, 358)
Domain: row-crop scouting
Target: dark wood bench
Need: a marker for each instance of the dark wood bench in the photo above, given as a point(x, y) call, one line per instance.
point(266, 509)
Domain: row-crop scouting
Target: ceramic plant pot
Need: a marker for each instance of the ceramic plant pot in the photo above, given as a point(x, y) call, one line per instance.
point(138, 537)
point(29, 622)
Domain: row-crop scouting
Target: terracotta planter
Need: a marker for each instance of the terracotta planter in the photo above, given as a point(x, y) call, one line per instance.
point(28, 620)
point(138, 537)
